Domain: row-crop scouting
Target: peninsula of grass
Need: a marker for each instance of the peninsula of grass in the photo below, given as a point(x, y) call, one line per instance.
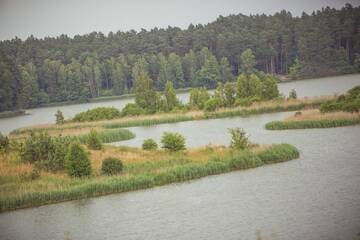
point(315, 119)
point(174, 117)
point(142, 169)
point(9, 114)
point(108, 136)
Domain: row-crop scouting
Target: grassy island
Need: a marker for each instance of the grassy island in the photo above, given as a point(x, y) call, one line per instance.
point(20, 187)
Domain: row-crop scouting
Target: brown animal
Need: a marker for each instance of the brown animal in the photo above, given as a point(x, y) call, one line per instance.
point(298, 114)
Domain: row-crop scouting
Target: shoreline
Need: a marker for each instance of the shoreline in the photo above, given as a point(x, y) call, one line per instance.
point(179, 172)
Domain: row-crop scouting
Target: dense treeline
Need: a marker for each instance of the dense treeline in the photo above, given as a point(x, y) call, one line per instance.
point(38, 71)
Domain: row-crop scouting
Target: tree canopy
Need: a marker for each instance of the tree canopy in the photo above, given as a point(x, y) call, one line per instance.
point(54, 69)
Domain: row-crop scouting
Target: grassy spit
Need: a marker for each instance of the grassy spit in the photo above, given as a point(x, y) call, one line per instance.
point(161, 118)
point(315, 119)
point(143, 169)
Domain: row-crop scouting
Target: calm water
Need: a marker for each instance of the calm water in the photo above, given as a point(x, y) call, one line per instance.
point(314, 197)
point(314, 87)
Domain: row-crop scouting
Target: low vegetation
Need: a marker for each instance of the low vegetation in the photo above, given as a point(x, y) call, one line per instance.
point(111, 166)
point(173, 141)
point(349, 102)
point(141, 169)
point(149, 144)
point(44, 169)
point(315, 119)
point(338, 112)
point(96, 114)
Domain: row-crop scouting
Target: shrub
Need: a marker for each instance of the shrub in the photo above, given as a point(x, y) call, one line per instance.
point(149, 144)
point(173, 141)
point(59, 117)
point(111, 166)
point(4, 142)
point(93, 140)
point(131, 109)
point(36, 147)
point(239, 140)
point(96, 114)
point(77, 162)
point(211, 104)
point(55, 159)
point(293, 94)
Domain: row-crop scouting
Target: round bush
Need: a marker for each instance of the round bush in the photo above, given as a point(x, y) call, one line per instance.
point(131, 109)
point(77, 162)
point(173, 141)
point(111, 166)
point(149, 144)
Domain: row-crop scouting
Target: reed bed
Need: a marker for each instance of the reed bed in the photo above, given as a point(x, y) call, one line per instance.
point(107, 136)
point(324, 123)
point(315, 119)
point(151, 174)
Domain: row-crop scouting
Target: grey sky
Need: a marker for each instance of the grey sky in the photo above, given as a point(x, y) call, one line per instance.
point(53, 17)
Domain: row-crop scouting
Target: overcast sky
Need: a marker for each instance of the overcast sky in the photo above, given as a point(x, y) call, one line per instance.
point(53, 17)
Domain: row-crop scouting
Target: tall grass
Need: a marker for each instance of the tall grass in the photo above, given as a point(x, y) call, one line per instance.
point(108, 136)
point(146, 175)
point(303, 124)
point(150, 122)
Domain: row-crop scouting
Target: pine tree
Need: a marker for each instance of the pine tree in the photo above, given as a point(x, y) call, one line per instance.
point(29, 86)
point(170, 96)
point(247, 62)
point(225, 71)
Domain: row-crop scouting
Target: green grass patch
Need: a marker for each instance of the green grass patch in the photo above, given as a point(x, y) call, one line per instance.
point(151, 174)
point(108, 136)
point(324, 123)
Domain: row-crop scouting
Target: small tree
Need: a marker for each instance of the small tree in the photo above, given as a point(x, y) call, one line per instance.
point(173, 141)
point(111, 166)
point(149, 144)
point(59, 117)
point(293, 94)
point(239, 138)
point(77, 162)
point(93, 141)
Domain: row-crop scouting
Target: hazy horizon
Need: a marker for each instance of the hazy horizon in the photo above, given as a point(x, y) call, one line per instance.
point(43, 18)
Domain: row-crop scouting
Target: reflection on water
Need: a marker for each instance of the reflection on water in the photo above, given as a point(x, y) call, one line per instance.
point(314, 87)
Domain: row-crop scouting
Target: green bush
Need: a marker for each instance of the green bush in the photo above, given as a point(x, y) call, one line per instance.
point(131, 109)
point(239, 139)
point(348, 103)
point(96, 114)
point(77, 162)
point(36, 147)
point(111, 166)
point(46, 152)
point(149, 144)
point(4, 142)
point(211, 105)
point(173, 141)
point(93, 140)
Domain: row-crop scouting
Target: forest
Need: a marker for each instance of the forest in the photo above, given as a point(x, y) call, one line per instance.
point(35, 71)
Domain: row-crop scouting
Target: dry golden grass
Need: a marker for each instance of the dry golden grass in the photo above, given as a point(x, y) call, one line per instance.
point(315, 114)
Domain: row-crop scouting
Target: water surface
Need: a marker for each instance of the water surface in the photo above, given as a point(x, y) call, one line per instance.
point(314, 197)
